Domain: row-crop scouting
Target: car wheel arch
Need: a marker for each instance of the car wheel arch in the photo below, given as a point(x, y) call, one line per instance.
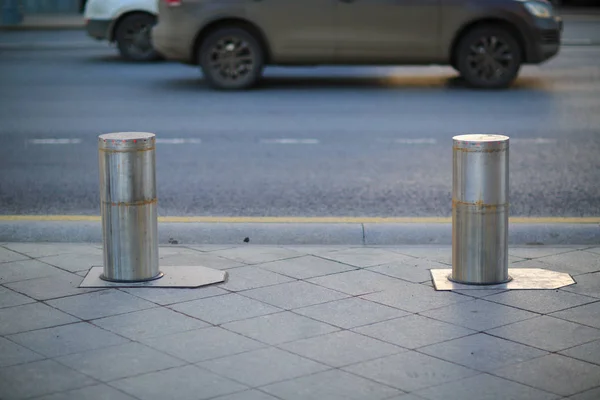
point(115, 26)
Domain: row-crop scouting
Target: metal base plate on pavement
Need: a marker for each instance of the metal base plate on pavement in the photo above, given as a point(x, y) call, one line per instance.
point(523, 278)
point(174, 277)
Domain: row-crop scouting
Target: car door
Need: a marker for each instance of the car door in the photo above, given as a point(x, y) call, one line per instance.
point(298, 31)
point(372, 31)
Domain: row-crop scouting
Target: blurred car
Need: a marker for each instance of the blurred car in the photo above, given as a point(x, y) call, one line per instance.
point(127, 23)
point(487, 41)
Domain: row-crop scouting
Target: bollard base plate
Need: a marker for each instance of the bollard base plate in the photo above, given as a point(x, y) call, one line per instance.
point(185, 277)
point(522, 278)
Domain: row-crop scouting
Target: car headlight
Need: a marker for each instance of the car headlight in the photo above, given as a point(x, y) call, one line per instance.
point(539, 10)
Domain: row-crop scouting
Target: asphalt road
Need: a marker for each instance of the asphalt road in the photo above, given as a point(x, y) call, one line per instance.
point(357, 141)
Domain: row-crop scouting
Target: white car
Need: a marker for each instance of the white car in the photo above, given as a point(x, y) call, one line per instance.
point(125, 22)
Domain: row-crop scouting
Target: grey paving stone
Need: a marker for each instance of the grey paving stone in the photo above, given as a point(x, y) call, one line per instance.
point(588, 314)
point(479, 293)
point(317, 250)
point(31, 316)
point(7, 255)
point(331, 385)
point(279, 328)
point(39, 378)
point(183, 257)
point(479, 314)
point(575, 263)
point(149, 323)
point(482, 352)
point(441, 255)
point(413, 331)
point(351, 312)
point(207, 248)
point(21, 270)
point(96, 392)
point(36, 250)
point(554, 373)
point(338, 349)
point(257, 254)
point(247, 395)
point(222, 309)
point(547, 333)
point(13, 354)
point(100, 304)
point(593, 394)
point(587, 284)
point(184, 383)
point(416, 298)
point(67, 339)
point(306, 267)
point(294, 295)
point(364, 257)
point(540, 301)
point(51, 287)
point(595, 250)
point(262, 367)
point(413, 270)
point(252, 277)
point(410, 371)
point(359, 282)
point(10, 298)
point(589, 352)
point(484, 387)
point(76, 262)
point(531, 252)
point(165, 296)
point(116, 362)
point(409, 396)
point(203, 344)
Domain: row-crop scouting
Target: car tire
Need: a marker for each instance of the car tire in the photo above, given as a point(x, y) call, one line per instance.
point(231, 59)
point(133, 38)
point(489, 57)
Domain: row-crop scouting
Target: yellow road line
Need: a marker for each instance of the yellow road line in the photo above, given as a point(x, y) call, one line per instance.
point(303, 220)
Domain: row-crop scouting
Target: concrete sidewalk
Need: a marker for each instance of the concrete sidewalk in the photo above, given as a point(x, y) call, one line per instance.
point(293, 322)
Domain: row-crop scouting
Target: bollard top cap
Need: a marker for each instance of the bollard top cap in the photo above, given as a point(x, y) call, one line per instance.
point(126, 141)
point(481, 142)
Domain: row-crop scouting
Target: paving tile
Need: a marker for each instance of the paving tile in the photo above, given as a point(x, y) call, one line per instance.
point(76, 262)
point(13, 354)
point(329, 385)
point(364, 257)
point(39, 378)
point(207, 248)
point(359, 282)
point(36, 250)
point(587, 284)
point(409, 396)
point(247, 395)
point(547, 333)
point(149, 323)
point(100, 304)
point(531, 252)
point(50, 287)
point(589, 352)
point(416, 298)
point(10, 298)
point(120, 361)
point(96, 392)
point(484, 387)
point(575, 263)
point(342, 348)
point(165, 296)
point(413, 331)
point(262, 367)
point(554, 373)
point(413, 270)
point(245, 278)
point(593, 394)
point(351, 312)
point(183, 257)
point(21, 270)
point(318, 250)
point(279, 328)
point(7, 255)
point(410, 371)
point(540, 301)
point(479, 314)
point(479, 293)
point(31, 316)
point(294, 295)
point(186, 383)
point(67, 339)
point(438, 254)
point(595, 250)
point(202, 344)
point(306, 267)
point(222, 309)
point(482, 352)
point(588, 314)
point(257, 254)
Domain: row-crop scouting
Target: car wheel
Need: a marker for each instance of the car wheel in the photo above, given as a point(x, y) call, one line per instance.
point(134, 40)
point(231, 59)
point(489, 57)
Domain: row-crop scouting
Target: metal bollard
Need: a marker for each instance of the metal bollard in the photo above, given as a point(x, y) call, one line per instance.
point(480, 210)
point(129, 206)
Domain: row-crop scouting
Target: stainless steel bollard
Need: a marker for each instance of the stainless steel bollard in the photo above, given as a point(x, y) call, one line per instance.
point(129, 206)
point(480, 210)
